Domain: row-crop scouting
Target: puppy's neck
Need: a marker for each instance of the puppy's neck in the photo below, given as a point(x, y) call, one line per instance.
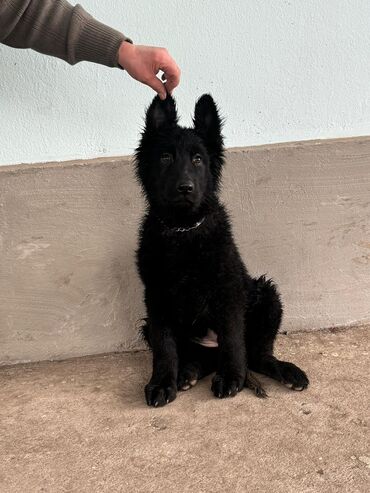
point(183, 221)
point(182, 229)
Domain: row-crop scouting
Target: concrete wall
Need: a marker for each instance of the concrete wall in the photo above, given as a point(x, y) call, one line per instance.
point(68, 284)
point(281, 71)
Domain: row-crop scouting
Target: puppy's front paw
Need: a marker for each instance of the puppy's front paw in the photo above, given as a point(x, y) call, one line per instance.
point(226, 385)
point(159, 395)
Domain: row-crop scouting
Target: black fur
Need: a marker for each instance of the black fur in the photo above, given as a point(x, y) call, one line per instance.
point(193, 275)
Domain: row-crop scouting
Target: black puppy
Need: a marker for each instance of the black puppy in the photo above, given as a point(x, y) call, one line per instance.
point(205, 313)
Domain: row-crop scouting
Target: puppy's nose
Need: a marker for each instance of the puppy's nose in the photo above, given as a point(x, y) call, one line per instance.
point(185, 187)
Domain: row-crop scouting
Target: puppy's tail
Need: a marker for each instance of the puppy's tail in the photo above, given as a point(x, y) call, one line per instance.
point(252, 382)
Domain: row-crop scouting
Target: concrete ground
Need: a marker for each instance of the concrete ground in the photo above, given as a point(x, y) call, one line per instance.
point(82, 425)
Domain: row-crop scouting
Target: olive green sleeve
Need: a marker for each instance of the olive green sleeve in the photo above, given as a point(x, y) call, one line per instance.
point(56, 28)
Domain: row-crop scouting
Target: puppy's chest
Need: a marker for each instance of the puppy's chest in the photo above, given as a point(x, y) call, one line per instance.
point(189, 280)
point(188, 270)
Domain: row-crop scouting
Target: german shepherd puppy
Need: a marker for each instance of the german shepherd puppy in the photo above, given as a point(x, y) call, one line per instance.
point(205, 313)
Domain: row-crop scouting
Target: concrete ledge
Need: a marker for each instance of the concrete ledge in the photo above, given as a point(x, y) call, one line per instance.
point(68, 284)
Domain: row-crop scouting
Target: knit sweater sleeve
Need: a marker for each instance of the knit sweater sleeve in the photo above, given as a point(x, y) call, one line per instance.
point(56, 28)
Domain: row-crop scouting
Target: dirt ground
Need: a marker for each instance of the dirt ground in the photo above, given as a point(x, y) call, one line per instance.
point(81, 425)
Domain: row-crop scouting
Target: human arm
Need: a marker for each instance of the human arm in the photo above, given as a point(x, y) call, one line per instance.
point(56, 28)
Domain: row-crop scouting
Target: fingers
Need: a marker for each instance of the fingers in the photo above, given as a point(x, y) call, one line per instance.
point(171, 72)
point(144, 62)
point(157, 86)
point(171, 84)
point(171, 75)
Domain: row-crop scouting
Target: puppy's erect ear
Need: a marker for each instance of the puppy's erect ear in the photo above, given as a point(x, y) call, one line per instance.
point(208, 125)
point(207, 121)
point(161, 113)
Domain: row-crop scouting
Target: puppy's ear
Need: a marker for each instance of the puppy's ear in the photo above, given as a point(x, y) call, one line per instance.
point(161, 113)
point(207, 121)
point(208, 125)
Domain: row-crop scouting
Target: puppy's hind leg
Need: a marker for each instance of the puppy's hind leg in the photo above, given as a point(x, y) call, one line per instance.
point(263, 319)
point(196, 362)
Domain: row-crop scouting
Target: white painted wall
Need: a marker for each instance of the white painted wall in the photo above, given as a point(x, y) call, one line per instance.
point(281, 71)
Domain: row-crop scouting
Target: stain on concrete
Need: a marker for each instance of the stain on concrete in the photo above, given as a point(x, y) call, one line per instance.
point(26, 248)
point(263, 180)
point(364, 244)
point(363, 260)
point(64, 280)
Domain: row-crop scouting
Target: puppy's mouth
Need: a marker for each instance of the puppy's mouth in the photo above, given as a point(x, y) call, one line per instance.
point(183, 201)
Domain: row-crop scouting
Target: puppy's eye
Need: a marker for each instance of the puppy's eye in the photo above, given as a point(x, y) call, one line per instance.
point(166, 158)
point(197, 159)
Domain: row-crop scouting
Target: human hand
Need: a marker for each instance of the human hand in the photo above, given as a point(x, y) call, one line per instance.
point(143, 64)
